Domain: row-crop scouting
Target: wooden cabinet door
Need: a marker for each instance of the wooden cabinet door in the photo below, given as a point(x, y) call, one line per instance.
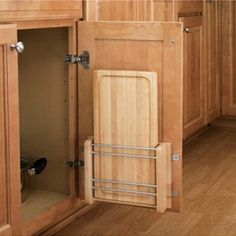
point(130, 46)
point(9, 135)
point(228, 52)
point(193, 76)
point(189, 7)
point(211, 63)
point(122, 10)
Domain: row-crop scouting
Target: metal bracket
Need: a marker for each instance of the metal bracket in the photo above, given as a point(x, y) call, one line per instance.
point(82, 59)
point(175, 157)
point(74, 164)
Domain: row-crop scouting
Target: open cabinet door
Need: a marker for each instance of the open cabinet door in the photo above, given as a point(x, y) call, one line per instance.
point(127, 46)
point(9, 134)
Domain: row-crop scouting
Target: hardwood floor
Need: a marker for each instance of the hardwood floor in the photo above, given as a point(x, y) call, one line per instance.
point(209, 203)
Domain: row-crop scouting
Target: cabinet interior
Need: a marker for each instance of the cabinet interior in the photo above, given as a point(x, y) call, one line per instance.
point(43, 93)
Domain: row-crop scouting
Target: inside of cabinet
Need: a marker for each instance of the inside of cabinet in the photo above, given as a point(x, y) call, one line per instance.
point(44, 127)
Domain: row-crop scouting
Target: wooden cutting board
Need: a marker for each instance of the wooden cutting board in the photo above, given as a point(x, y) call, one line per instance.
point(125, 113)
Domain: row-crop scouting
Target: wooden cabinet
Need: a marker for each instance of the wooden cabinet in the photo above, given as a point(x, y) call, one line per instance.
point(228, 50)
point(9, 140)
point(187, 7)
point(155, 10)
point(112, 46)
point(137, 46)
point(211, 61)
point(42, 9)
point(124, 10)
point(193, 94)
point(145, 10)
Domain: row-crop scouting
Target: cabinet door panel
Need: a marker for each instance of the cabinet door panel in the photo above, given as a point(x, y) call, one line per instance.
point(228, 51)
point(193, 79)
point(122, 10)
point(9, 135)
point(186, 6)
point(211, 63)
point(40, 9)
point(139, 46)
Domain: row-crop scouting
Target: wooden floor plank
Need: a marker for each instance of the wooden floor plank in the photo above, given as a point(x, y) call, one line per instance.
point(209, 203)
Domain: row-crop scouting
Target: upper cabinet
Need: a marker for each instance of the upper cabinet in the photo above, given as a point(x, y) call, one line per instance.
point(145, 10)
point(42, 9)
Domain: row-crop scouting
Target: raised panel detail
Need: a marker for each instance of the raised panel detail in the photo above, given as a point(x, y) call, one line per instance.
point(186, 6)
point(228, 76)
point(193, 77)
point(122, 10)
point(42, 9)
point(211, 61)
point(133, 46)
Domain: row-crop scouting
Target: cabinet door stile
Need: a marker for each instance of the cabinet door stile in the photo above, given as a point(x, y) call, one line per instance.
point(9, 134)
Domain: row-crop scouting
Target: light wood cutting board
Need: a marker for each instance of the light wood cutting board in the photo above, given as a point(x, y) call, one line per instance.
point(125, 113)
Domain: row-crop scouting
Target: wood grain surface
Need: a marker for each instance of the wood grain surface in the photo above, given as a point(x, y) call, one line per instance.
point(137, 47)
point(208, 202)
point(9, 134)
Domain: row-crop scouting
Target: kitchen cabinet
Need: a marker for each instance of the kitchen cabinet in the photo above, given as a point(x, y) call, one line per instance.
point(43, 9)
point(189, 7)
point(228, 46)
point(211, 61)
point(45, 101)
point(193, 75)
point(189, 12)
point(54, 103)
point(145, 10)
point(184, 106)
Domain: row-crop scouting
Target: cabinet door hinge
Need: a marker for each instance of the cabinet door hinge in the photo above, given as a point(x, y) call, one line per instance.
point(74, 164)
point(82, 59)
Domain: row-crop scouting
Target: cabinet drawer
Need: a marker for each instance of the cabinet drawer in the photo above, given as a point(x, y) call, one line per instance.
point(188, 7)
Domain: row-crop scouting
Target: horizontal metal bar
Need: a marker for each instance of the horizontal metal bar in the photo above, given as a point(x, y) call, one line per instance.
point(124, 147)
point(123, 155)
point(124, 182)
point(124, 191)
